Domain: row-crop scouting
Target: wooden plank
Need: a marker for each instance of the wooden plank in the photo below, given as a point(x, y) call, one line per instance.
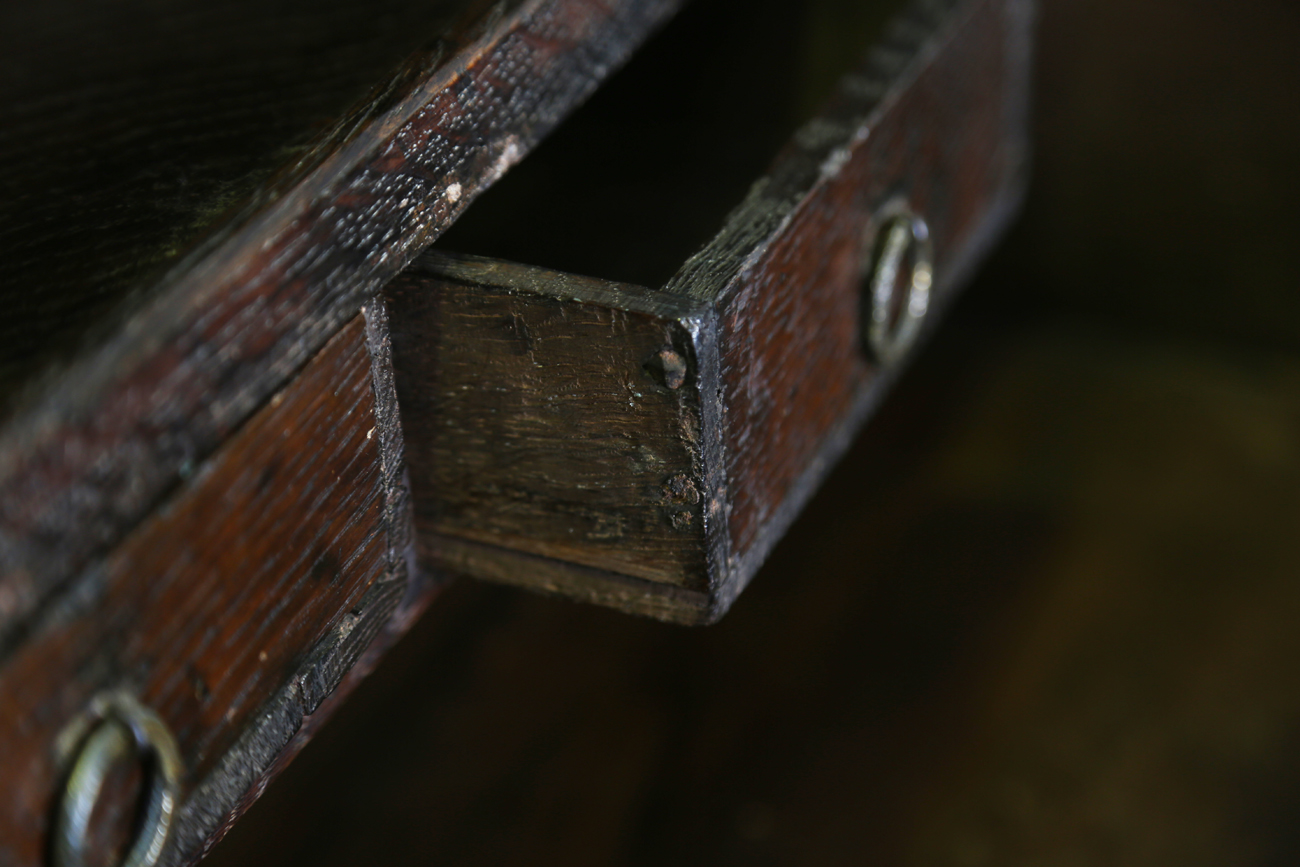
point(547, 447)
point(235, 609)
point(538, 417)
point(935, 116)
point(94, 442)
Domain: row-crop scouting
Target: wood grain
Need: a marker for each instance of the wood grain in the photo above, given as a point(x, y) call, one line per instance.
point(935, 115)
point(539, 417)
point(268, 573)
point(96, 440)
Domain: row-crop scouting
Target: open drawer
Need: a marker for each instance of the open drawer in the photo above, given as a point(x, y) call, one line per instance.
point(227, 447)
point(644, 448)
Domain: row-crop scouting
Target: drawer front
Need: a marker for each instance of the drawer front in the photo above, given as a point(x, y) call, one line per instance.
point(231, 612)
point(945, 140)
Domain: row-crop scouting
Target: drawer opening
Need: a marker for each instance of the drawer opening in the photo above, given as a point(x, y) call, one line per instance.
point(644, 174)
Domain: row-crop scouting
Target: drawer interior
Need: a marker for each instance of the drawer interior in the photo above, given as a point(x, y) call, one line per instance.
point(643, 175)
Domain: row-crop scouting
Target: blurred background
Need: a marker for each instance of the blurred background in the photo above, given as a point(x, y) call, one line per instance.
point(1046, 612)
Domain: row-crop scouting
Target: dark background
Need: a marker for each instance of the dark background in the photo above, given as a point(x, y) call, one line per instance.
point(1046, 612)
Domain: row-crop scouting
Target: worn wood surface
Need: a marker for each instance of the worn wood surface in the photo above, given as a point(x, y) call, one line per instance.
point(331, 668)
point(134, 128)
point(936, 116)
point(539, 417)
point(536, 404)
point(273, 570)
point(235, 609)
point(94, 442)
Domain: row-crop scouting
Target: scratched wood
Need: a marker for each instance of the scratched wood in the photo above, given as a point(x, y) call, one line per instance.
point(234, 609)
point(551, 416)
point(243, 281)
point(936, 116)
point(531, 399)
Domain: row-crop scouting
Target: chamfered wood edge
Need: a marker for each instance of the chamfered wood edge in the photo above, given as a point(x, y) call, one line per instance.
point(713, 421)
point(339, 661)
point(97, 445)
point(388, 424)
point(570, 580)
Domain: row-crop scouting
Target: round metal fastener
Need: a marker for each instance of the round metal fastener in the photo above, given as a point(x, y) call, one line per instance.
point(121, 727)
point(902, 262)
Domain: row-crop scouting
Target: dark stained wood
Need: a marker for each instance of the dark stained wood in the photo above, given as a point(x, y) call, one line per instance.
point(621, 444)
point(268, 746)
point(235, 609)
point(339, 661)
point(1043, 613)
point(95, 440)
point(633, 447)
point(134, 128)
point(540, 418)
point(935, 116)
